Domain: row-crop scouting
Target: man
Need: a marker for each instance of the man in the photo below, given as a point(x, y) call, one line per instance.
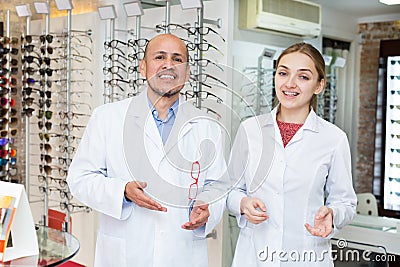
point(153, 167)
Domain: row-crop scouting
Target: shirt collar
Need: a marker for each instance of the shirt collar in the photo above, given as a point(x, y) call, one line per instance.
point(311, 122)
point(172, 111)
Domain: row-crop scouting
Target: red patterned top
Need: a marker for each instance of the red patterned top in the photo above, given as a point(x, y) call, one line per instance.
point(288, 130)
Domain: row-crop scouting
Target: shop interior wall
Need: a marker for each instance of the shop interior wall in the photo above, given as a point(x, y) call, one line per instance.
point(373, 33)
point(85, 224)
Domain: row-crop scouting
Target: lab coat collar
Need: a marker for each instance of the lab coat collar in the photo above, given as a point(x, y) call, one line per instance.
point(311, 122)
point(141, 111)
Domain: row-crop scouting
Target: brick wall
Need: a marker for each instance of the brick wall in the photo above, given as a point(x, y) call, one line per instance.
point(369, 64)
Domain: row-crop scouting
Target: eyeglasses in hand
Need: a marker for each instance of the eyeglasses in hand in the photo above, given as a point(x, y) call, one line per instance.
point(195, 174)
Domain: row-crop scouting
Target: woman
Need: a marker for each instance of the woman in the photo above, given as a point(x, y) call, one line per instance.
point(292, 169)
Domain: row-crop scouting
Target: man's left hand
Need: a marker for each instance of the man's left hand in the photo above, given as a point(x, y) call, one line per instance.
point(198, 216)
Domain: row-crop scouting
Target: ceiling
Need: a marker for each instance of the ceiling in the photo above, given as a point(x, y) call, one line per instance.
point(360, 8)
point(355, 8)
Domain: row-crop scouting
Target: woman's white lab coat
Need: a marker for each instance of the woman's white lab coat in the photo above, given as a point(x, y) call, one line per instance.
point(121, 143)
point(292, 182)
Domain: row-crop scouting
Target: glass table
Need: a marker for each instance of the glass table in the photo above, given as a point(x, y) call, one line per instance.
point(378, 231)
point(55, 247)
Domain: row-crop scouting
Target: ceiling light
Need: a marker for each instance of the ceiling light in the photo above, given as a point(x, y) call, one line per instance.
point(107, 12)
point(64, 4)
point(133, 9)
point(390, 2)
point(23, 10)
point(187, 4)
point(41, 7)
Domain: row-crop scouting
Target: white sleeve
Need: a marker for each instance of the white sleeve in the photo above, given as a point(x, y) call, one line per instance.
point(341, 197)
point(236, 170)
point(87, 176)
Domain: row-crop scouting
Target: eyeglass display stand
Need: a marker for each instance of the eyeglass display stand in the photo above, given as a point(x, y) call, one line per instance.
point(110, 98)
point(333, 95)
point(198, 71)
point(167, 15)
point(66, 224)
point(136, 61)
point(8, 96)
point(27, 127)
point(45, 180)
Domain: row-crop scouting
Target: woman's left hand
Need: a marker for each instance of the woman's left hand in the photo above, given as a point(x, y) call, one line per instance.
point(323, 222)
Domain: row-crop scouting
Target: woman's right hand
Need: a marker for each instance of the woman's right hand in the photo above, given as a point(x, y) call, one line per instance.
point(253, 209)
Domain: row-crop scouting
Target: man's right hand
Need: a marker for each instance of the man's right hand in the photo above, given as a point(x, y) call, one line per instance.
point(134, 192)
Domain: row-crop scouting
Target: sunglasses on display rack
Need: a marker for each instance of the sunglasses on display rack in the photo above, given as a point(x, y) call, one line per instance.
point(11, 152)
point(48, 169)
point(6, 90)
point(9, 121)
point(12, 132)
point(12, 71)
point(13, 61)
point(4, 111)
point(45, 113)
point(11, 161)
point(4, 81)
point(5, 101)
point(9, 40)
point(5, 141)
point(46, 147)
point(47, 124)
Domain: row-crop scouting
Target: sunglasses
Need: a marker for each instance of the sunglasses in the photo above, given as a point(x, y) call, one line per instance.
point(47, 124)
point(10, 121)
point(4, 71)
point(8, 40)
point(4, 81)
point(4, 101)
point(5, 141)
point(5, 152)
point(6, 90)
point(48, 169)
point(12, 132)
point(28, 112)
point(46, 113)
point(46, 102)
point(4, 111)
point(4, 162)
point(13, 61)
point(46, 147)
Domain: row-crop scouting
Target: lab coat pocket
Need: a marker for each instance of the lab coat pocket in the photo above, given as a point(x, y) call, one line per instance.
point(107, 245)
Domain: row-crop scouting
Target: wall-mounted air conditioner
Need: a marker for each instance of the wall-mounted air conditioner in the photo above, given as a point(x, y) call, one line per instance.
point(295, 17)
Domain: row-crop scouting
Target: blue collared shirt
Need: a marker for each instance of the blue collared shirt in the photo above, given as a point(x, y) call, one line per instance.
point(165, 126)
